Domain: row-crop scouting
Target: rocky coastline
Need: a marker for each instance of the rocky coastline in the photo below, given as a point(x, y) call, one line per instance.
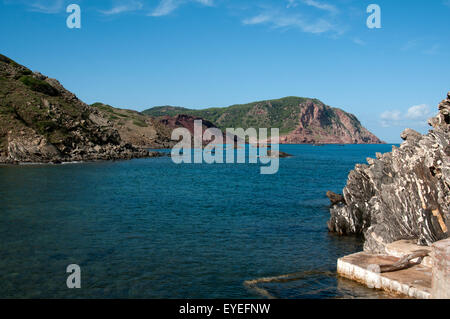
point(401, 195)
point(42, 122)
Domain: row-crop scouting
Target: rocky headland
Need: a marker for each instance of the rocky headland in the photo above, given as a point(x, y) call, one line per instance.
point(42, 122)
point(400, 195)
point(300, 120)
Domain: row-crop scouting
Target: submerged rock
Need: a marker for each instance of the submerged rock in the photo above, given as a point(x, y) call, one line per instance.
point(404, 194)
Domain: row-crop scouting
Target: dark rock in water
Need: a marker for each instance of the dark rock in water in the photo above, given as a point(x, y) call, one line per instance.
point(404, 194)
point(335, 198)
point(278, 154)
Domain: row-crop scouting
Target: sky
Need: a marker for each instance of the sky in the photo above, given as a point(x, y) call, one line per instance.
point(207, 53)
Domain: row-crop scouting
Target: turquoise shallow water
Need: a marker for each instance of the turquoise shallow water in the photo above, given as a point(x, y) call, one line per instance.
point(148, 228)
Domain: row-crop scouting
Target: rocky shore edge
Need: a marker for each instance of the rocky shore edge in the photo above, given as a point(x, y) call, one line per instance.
point(401, 195)
point(91, 159)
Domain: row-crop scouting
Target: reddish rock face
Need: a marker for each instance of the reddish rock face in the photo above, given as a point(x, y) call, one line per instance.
point(319, 123)
point(186, 121)
point(170, 123)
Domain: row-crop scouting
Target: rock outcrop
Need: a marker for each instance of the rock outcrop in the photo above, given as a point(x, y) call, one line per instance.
point(40, 121)
point(404, 194)
point(322, 124)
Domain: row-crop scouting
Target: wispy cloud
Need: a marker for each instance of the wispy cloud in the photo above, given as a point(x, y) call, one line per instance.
point(292, 4)
point(418, 112)
point(411, 44)
point(434, 49)
point(124, 6)
point(416, 115)
point(297, 14)
point(262, 18)
point(46, 6)
point(166, 7)
point(286, 20)
point(447, 3)
point(313, 3)
point(358, 41)
point(321, 5)
point(422, 46)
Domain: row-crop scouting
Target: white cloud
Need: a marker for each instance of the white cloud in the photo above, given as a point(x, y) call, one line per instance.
point(418, 112)
point(411, 44)
point(415, 116)
point(262, 18)
point(278, 19)
point(126, 6)
point(293, 15)
point(321, 5)
point(314, 3)
point(293, 3)
point(421, 46)
point(358, 41)
point(166, 7)
point(432, 50)
point(49, 6)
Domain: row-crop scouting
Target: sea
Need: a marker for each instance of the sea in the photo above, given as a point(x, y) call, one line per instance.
point(150, 228)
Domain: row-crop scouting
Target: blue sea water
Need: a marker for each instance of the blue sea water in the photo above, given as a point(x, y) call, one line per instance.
point(148, 228)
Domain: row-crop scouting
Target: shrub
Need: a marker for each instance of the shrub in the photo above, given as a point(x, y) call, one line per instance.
point(39, 85)
point(140, 123)
point(46, 126)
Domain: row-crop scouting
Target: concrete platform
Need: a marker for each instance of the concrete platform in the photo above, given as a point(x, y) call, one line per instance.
point(404, 247)
point(414, 282)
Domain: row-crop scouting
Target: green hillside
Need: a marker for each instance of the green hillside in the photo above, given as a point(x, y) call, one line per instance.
point(280, 113)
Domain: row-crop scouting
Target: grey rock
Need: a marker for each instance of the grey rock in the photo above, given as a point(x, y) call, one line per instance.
point(404, 194)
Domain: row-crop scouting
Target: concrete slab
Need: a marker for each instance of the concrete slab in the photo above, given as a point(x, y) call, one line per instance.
point(414, 282)
point(405, 247)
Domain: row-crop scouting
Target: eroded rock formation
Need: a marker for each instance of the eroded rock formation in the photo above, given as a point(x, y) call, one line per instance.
point(319, 123)
point(404, 194)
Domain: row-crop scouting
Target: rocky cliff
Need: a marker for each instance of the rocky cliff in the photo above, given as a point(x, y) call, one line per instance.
point(40, 121)
point(319, 123)
point(300, 120)
point(404, 194)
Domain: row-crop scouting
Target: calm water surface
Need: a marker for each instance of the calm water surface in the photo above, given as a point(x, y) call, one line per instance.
point(148, 228)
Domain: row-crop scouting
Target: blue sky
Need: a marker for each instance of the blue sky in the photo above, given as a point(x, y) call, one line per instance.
point(201, 53)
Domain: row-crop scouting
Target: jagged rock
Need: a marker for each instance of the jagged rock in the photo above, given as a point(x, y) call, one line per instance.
point(404, 194)
point(335, 198)
point(410, 134)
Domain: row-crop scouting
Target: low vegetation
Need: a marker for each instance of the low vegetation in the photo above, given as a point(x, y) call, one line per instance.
point(38, 85)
